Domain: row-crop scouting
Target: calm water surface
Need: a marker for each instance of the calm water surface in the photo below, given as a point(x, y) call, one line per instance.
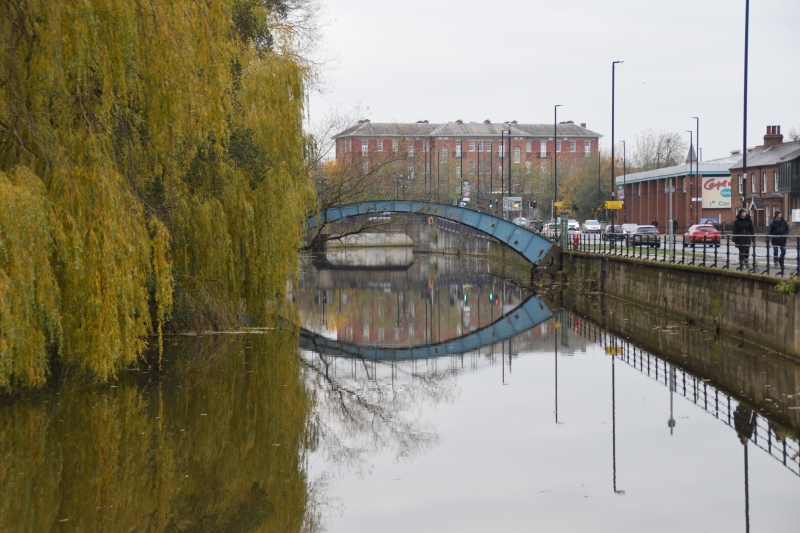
point(544, 431)
point(536, 427)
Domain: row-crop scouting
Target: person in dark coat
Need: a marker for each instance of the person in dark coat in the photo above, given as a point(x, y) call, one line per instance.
point(743, 230)
point(674, 226)
point(778, 227)
point(655, 223)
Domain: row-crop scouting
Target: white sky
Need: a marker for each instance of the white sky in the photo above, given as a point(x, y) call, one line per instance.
point(444, 60)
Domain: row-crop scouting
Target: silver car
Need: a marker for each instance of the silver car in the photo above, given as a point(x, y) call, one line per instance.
point(591, 226)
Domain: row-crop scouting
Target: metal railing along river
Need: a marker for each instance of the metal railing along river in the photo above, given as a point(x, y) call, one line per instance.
point(750, 253)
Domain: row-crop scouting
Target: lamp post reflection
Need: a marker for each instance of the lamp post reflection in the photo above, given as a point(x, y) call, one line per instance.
point(614, 421)
point(671, 421)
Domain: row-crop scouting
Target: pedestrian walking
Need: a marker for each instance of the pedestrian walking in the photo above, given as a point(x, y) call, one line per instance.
point(674, 226)
point(655, 223)
point(743, 232)
point(778, 227)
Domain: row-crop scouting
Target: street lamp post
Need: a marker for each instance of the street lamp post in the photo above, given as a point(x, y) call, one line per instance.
point(744, 126)
point(691, 177)
point(624, 183)
point(698, 185)
point(555, 157)
point(613, 178)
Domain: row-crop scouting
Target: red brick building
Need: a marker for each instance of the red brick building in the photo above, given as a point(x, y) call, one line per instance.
point(480, 152)
point(764, 194)
point(702, 193)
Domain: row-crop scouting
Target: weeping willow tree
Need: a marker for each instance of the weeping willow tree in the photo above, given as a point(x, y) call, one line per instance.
point(151, 174)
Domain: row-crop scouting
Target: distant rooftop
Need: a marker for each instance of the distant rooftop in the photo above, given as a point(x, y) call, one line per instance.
point(461, 129)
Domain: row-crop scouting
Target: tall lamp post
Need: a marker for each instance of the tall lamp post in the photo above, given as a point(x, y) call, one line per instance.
point(691, 176)
point(744, 126)
point(624, 183)
point(555, 157)
point(698, 185)
point(613, 177)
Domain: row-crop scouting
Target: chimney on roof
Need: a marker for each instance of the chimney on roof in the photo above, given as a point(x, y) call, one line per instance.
point(487, 121)
point(363, 121)
point(513, 121)
point(422, 121)
point(773, 136)
point(459, 121)
point(583, 125)
point(570, 122)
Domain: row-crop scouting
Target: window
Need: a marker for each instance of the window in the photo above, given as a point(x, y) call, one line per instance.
point(349, 146)
point(528, 166)
point(775, 177)
point(488, 146)
point(424, 146)
point(558, 147)
point(543, 148)
point(458, 149)
point(410, 170)
point(763, 182)
point(364, 148)
point(685, 180)
point(741, 184)
point(587, 147)
point(443, 155)
point(542, 167)
point(528, 146)
point(640, 189)
point(472, 167)
point(501, 148)
point(472, 146)
point(480, 146)
point(753, 182)
point(411, 148)
point(364, 167)
point(395, 146)
point(379, 145)
point(516, 154)
point(573, 146)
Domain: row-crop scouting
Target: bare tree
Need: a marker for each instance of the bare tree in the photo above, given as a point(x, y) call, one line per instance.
point(657, 149)
point(794, 134)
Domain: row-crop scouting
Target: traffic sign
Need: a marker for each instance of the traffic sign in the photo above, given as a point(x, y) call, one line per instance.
point(613, 204)
point(560, 204)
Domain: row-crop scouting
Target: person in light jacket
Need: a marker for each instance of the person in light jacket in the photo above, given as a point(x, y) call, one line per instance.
point(743, 232)
point(778, 231)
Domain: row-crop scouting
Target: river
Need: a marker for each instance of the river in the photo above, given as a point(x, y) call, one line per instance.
point(381, 421)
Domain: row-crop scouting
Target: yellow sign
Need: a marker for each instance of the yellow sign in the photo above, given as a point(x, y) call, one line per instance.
point(613, 204)
point(558, 204)
point(613, 350)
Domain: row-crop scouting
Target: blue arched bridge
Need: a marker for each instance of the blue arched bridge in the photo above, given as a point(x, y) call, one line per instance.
point(522, 318)
point(530, 245)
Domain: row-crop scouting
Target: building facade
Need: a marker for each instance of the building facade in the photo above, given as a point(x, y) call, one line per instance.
point(485, 154)
point(702, 193)
point(762, 192)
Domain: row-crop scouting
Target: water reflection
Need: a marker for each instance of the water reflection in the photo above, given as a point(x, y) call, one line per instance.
point(457, 441)
point(436, 299)
point(216, 443)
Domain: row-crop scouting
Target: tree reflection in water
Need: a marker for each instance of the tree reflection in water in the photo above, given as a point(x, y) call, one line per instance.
point(215, 443)
point(362, 407)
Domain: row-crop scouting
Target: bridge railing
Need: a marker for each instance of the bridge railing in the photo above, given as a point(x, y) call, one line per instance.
point(758, 254)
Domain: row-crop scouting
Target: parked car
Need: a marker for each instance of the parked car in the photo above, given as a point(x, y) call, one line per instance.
point(573, 225)
point(629, 228)
point(701, 233)
point(612, 233)
point(521, 221)
point(591, 226)
point(644, 235)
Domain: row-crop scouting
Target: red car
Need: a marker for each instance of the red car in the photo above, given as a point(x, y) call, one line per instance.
point(701, 233)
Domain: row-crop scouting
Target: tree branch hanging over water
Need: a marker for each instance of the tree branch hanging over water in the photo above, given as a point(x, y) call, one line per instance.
point(151, 173)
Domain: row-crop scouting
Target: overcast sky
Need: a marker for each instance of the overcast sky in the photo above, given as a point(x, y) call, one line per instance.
point(444, 60)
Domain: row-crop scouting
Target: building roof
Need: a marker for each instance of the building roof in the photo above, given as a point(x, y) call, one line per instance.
point(774, 155)
point(471, 129)
point(715, 167)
